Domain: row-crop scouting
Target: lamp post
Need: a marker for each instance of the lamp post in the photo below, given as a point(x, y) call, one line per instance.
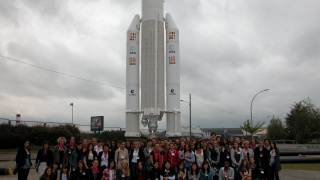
point(189, 112)
point(71, 104)
point(252, 102)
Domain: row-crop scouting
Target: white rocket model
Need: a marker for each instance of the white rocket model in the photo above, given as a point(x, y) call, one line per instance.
point(154, 86)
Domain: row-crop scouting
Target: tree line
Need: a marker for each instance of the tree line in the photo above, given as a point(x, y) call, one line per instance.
point(302, 124)
point(14, 136)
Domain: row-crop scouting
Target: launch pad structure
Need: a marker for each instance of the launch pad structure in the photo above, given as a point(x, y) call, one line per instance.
point(152, 72)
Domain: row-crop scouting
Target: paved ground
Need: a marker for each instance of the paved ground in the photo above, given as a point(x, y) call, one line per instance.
point(6, 161)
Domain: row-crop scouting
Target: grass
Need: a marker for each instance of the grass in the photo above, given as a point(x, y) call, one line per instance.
point(302, 166)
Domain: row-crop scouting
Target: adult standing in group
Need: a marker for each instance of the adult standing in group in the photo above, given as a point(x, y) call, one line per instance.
point(147, 150)
point(173, 156)
point(84, 145)
point(215, 155)
point(98, 148)
point(267, 146)
point(76, 155)
point(121, 154)
point(44, 158)
point(105, 157)
point(157, 155)
point(253, 143)
point(274, 161)
point(71, 146)
point(246, 152)
point(225, 154)
point(261, 155)
point(60, 154)
point(23, 161)
point(128, 146)
point(189, 157)
point(135, 156)
point(89, 156)
point(198, 152)
point(235, 158)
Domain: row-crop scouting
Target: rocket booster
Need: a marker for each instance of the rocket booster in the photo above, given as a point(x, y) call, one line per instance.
point(172, 78)
point(159, 95)
point(132, 79)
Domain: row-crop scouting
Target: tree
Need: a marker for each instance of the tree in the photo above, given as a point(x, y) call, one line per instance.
point(276, 129)
point(303, 122)
point(252, 130)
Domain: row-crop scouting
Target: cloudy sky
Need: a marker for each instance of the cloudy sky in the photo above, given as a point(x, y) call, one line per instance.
point(230, 50)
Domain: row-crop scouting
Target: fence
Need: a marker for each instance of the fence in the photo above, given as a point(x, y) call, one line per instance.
point(82, 127)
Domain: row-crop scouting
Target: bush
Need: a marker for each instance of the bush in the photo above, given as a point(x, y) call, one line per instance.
point(112, 135)
point(11, 140)
point(40, 134)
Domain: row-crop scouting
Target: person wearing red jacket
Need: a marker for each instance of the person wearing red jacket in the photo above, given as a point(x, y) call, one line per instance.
point(173, 156)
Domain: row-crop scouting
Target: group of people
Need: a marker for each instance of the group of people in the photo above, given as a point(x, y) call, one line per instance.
point(182, 158)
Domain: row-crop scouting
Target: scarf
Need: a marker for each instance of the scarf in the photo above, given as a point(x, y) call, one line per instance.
point(156, 154)
point(158, 157)
point(105, 153)
point(61, 147)
point(95, 169)
point(71, 144)
point(84, 149)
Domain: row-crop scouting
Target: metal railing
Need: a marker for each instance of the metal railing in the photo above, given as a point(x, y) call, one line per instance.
point(82, 127)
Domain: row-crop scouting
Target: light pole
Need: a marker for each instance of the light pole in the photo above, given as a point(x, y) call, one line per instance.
point(189, 112)
point(71, 104)
point(252, 102)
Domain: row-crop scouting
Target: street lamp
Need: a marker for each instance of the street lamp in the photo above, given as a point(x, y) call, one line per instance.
point(252, 102)
point(71, 104)
point(189, 111)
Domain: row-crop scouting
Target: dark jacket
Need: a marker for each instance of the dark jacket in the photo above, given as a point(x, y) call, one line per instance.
point(76, 175)
point(140, 153)
point(119, 175)
point(110, 155)
point(86, 154)
point(21, 157)
point(154, 173)
point(44, 157)
point(263, 156)
point(76, 155)
point(170, 173)
point(225, 155)
point(56, 155)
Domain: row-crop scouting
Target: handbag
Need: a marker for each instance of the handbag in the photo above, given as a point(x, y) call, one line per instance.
point(15, 170)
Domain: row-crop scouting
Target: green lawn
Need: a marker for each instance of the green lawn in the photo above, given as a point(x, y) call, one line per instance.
point(302, 166)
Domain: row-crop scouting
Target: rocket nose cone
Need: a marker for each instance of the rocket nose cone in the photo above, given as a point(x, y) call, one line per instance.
point(170, 22)
point(135, 23)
